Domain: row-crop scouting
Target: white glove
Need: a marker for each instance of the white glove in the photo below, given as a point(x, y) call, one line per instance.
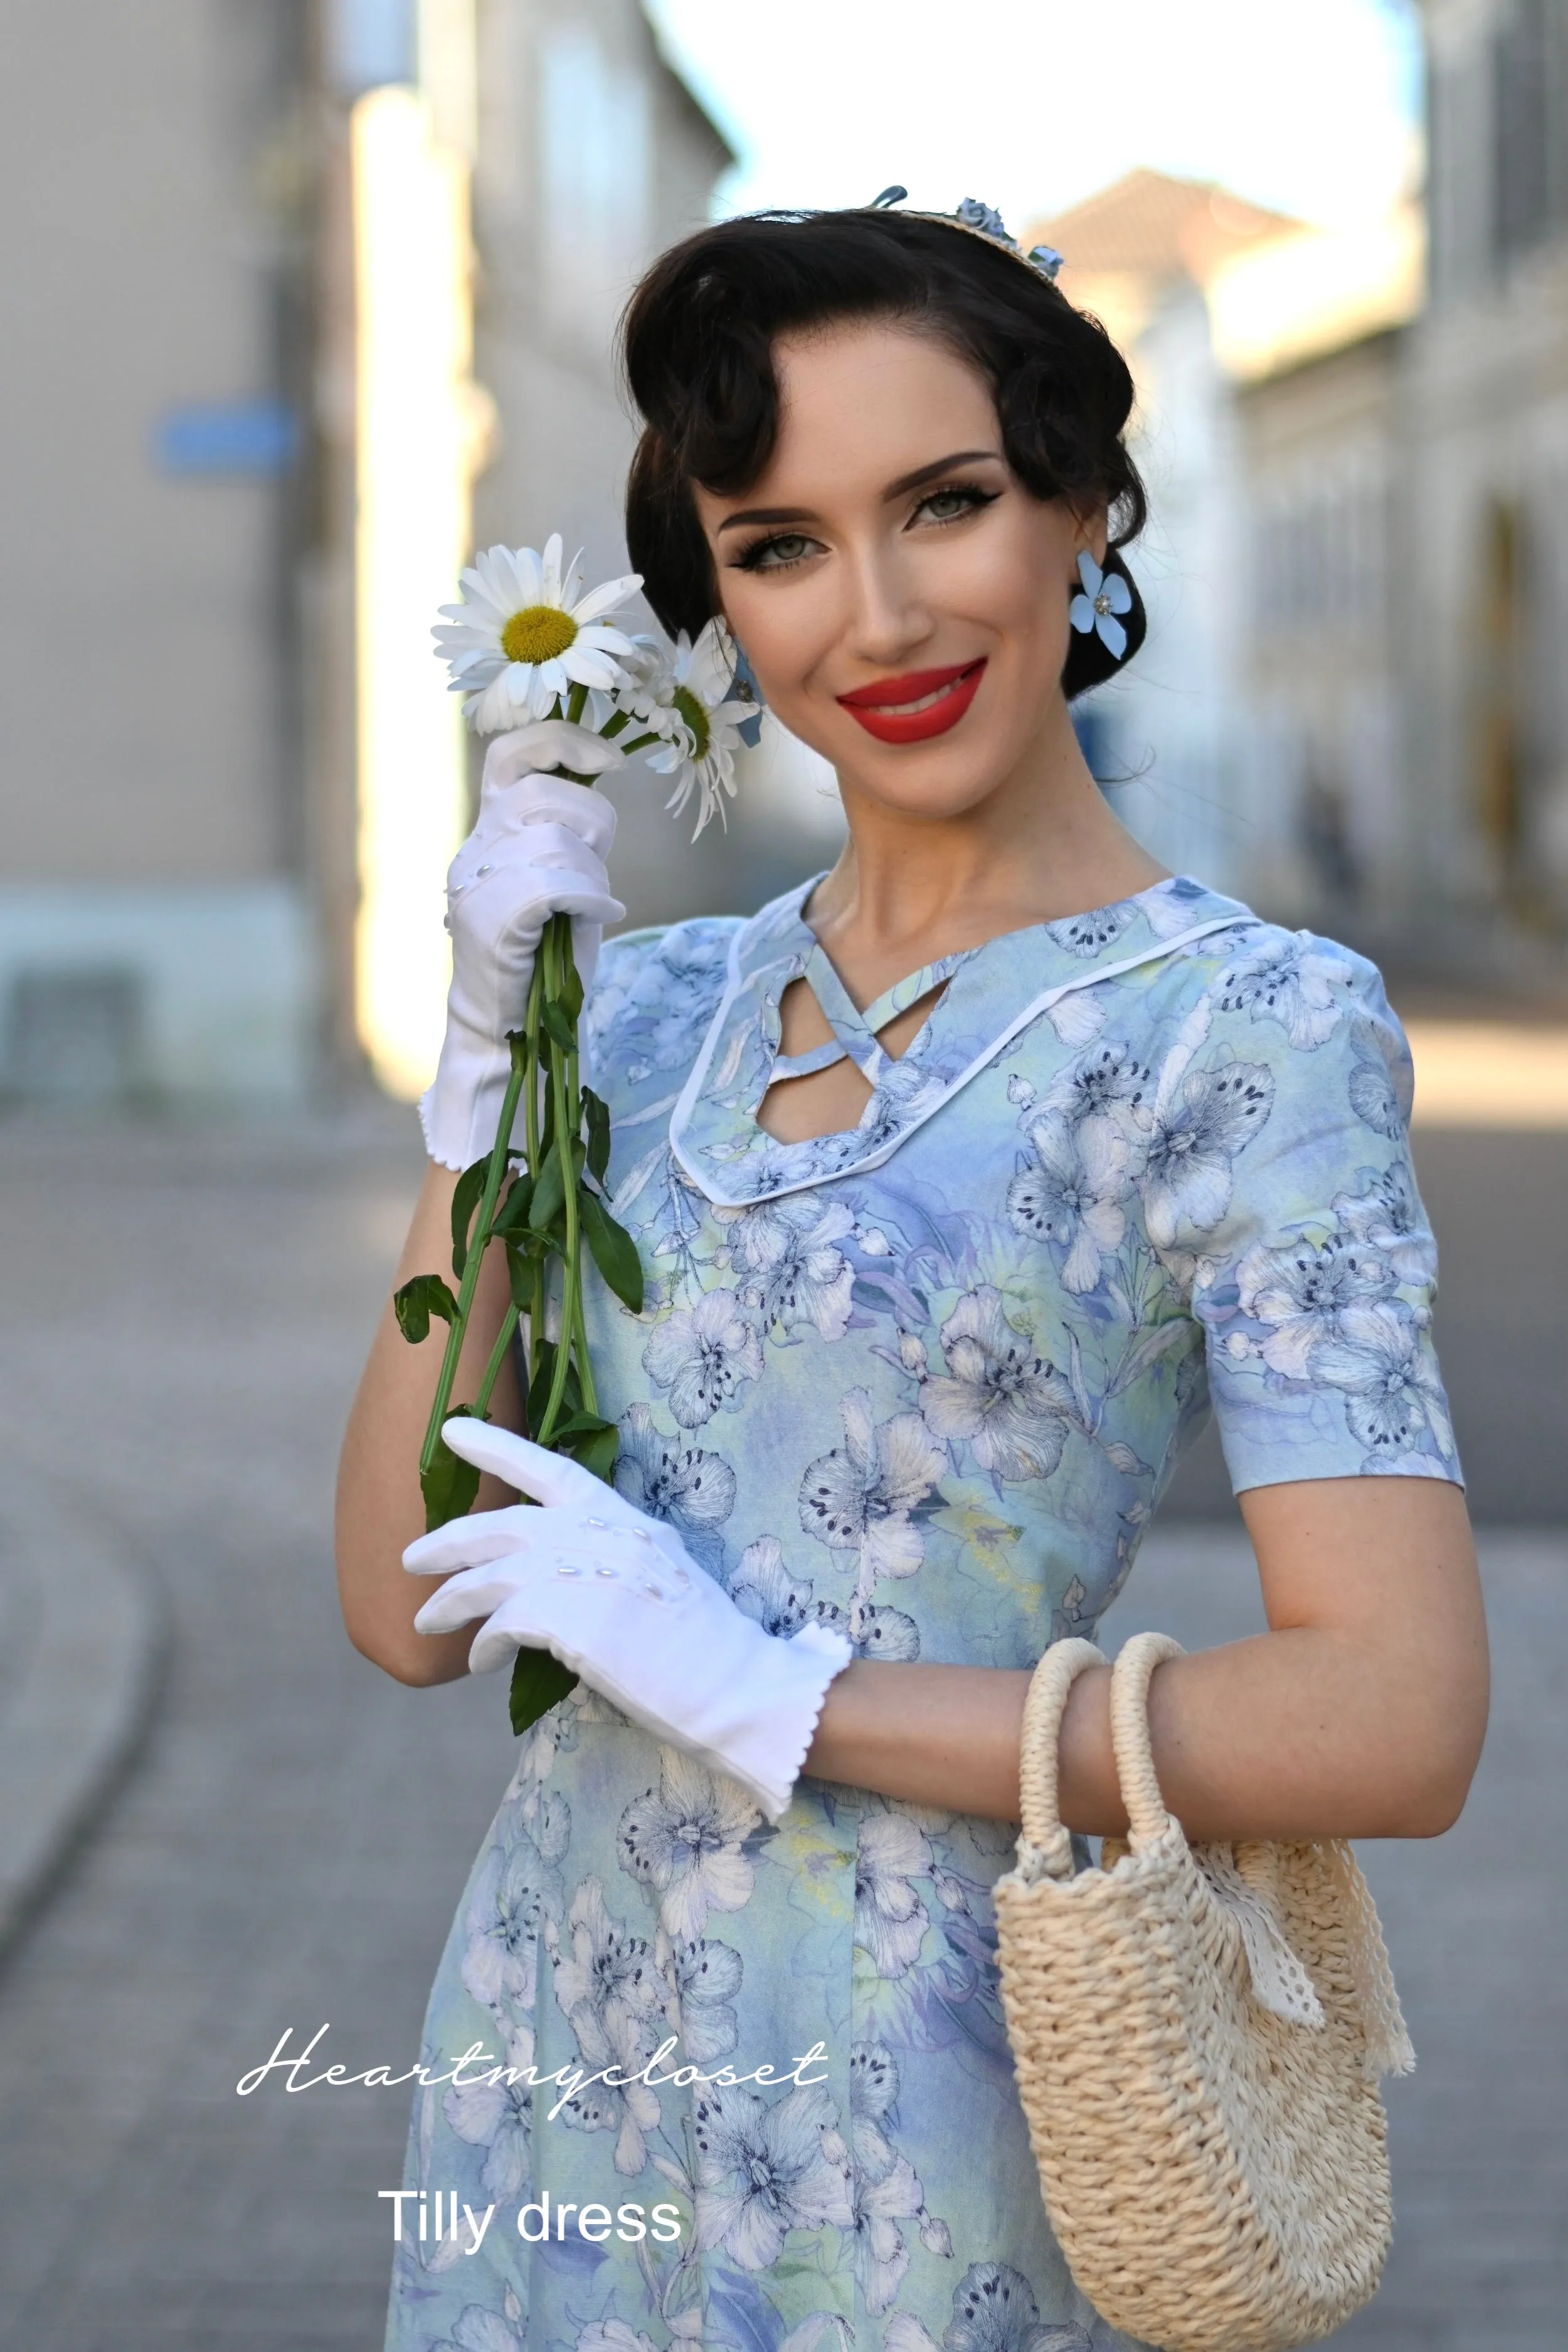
point(615, 1596)
point(538, 849)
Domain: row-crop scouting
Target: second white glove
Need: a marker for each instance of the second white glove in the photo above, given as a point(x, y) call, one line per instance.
point(614, 1595)
point(538, 849)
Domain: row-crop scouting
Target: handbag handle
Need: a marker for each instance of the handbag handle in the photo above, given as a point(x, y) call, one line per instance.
point(1044, 1849)
point(1129, 1680)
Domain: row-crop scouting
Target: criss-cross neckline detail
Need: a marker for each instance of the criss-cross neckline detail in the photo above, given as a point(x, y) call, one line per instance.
point(997, 987)
point(856, 1032)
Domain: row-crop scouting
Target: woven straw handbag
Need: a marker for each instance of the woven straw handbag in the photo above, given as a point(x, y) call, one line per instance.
point(1198, 2033)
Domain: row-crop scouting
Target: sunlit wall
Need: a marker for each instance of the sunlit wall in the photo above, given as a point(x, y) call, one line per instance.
point(414, 462)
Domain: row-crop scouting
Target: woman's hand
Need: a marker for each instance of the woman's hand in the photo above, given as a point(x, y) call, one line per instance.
point(614, 1595)
point(538, 849)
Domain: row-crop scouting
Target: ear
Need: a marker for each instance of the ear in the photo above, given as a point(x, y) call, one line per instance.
point(1093, 532)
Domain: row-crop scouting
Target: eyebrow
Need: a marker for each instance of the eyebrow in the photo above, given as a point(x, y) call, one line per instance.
point(894, 491)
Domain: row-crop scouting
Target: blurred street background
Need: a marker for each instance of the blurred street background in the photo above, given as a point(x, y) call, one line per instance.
point(305, 300)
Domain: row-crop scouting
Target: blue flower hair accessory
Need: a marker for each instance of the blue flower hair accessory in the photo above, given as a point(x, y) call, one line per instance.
point(1103, 596)
point(976, 219)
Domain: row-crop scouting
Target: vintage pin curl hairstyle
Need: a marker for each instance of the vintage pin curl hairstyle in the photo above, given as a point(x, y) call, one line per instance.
point(696, 351)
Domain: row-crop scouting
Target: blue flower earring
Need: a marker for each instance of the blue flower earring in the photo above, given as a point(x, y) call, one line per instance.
point(744, 681)
point(1102, 597)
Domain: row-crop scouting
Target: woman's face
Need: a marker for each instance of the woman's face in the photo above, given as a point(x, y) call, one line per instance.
point(901, 597)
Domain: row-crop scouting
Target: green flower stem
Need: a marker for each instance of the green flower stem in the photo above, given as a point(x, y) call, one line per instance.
point(538, 1061)
point(568, 1120)
point(457, 1331)
point(498, 1358)
point(617, 725)
point(531, 1143)
point(585, 1362)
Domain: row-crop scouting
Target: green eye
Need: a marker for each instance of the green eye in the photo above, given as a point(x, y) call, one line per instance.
point(951, 505)
point(772, 554)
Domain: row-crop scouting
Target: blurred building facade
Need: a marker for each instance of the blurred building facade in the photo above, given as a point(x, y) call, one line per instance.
point(180, 819)
point(1146, 256)
point(1483, 576)
point(1352, 706)
point(1353, 703)
point(152, 831)
point(1408, 486)
point(1256, 740)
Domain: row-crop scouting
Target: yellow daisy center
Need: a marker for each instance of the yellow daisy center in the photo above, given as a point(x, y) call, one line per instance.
point(693, 710)
point(538, 633)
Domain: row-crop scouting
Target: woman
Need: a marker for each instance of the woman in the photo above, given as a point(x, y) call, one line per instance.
point(966, 1179)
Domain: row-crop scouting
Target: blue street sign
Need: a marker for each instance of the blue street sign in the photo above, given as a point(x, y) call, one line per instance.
point(227, 436)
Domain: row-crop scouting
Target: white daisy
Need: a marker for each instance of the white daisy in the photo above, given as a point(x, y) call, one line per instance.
point(523, 635)
point(702, 754)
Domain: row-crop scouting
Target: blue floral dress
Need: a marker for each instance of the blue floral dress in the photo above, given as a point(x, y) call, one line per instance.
point(924, 1381)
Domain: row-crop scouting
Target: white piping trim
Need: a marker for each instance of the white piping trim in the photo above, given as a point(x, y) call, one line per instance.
point(1032, 1012)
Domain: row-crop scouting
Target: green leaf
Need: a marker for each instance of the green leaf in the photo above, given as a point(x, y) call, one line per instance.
point(549, 1194)
point(511, 1217)
point(465, 1201)
point(569, 996)
point(449, 1486)
point(554, 1022)
point(598, 1452)
point(538, 1682)
point(581, 1424)
point(614, 1252)
point(520, 1263)
point(415, 1303)
point(597, 1115)
point(540, 1387)
point(547, 1210)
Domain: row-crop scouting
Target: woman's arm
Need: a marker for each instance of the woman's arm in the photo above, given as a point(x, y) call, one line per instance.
point(379, 1504)
point(1360, 1714)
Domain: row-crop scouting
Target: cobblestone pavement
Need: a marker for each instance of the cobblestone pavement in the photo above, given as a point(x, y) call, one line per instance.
point(180, 1329)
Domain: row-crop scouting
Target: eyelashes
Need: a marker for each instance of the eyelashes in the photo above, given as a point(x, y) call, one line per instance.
point(763, 554)
point(970, 497)
point(766, 554)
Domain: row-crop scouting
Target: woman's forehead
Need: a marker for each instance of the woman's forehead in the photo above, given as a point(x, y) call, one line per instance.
point(869, 401)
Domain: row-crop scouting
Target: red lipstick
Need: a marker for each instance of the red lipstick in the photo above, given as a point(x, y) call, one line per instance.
point(920, 704)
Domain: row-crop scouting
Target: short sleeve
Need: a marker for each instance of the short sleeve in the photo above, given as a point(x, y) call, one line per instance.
point(1314, 1283)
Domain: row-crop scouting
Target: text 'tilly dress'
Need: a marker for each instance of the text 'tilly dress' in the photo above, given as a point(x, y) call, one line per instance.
point(925, 1379)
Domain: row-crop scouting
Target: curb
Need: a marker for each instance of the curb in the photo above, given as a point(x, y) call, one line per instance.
point(82, 1643)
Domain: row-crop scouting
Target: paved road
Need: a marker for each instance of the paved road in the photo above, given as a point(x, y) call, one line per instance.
point(180, 1327)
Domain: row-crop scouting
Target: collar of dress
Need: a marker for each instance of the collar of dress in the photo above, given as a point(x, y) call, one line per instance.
point(992, 993)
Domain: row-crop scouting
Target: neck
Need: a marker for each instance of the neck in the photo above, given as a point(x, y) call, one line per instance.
point(1042, 846)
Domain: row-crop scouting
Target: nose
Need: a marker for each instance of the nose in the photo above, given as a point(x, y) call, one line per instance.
point(887, 619)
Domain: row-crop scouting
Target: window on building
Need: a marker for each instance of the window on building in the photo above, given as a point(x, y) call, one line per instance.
point(1526, 119)
point(73, 1035)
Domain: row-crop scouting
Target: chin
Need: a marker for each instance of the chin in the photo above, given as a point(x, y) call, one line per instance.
point(946, 778)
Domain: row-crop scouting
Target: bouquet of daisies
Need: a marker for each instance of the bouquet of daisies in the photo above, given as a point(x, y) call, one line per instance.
point(524, 644)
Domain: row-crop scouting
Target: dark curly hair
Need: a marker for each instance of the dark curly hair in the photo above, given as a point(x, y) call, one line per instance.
point(697, 350)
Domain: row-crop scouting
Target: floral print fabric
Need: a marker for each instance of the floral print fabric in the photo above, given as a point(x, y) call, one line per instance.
point(924, 1381)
